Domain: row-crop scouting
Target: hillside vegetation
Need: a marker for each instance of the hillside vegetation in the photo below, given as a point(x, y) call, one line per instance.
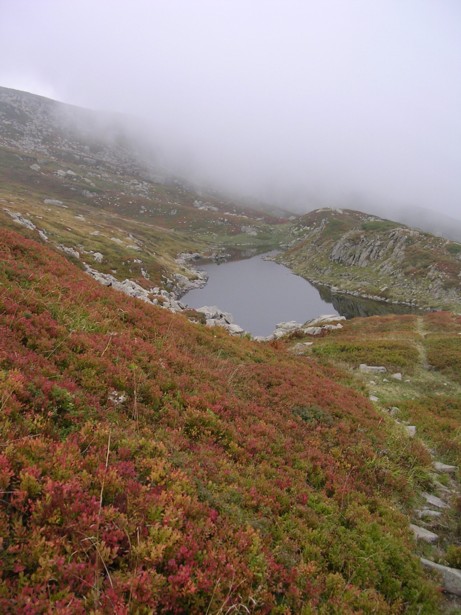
point(418, 384)
point(151, 465)
point(368, 256)
point(89, 184)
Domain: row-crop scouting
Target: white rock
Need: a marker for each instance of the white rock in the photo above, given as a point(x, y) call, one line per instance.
point(433, 500)
point(35, 167)
point(451, 577)
point(20, 219)
point(98, 257)
point(373, 398)
point(397, 376)
point(422, 534)
point(324, 320)
point(312, 330)
point(291, 325)
point(213, 312)
point(443, 467)
point(411, 430)
point(235, 329)
point(372, 369)
point(117, 398)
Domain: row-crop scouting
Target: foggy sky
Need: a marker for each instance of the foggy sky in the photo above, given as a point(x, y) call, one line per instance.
point(325, 102)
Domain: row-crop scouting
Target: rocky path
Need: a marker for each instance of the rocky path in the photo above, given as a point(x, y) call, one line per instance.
point(435, 521)
point(421, 333)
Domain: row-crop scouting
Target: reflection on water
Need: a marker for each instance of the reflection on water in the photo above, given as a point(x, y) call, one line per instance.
point(261, 293)
point(352, 307)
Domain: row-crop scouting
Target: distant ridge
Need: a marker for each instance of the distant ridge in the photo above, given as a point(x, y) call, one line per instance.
point(369, 256)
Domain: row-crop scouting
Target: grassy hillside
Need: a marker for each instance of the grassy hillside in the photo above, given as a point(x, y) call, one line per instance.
point(151, 465)
point(420, 387)
point(369, 256)
point(88, 182)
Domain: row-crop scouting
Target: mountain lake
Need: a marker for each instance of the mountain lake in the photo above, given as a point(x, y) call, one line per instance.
point(260, 293)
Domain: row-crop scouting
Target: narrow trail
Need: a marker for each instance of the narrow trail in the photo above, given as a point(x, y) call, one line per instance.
point(421, 332)
point(433, 521)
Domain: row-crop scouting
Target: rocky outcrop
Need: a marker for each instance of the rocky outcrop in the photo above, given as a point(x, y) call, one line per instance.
point(194, 278)
point(38, 125)
point(357, 248)
point(369, 257)
point(155, 295)
point(214, 316)
point(217, 318)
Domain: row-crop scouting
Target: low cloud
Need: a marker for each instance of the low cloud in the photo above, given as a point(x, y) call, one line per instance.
point(301, 103)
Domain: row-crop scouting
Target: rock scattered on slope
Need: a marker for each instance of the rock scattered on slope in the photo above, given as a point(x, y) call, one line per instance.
point(444, 468)
point(55, 202)
point(301, 347)
point(433, 500)
point(317, 326)
point(451, 577)
point(17, 217)
point(427, 512)
point(422, 533)
point(372, 369)
point(411, 430)
point(215, 317)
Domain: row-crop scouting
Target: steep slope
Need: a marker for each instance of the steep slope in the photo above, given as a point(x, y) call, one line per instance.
point(152, 465)
point(368, 256)
point(410, 365)
point(90, 182)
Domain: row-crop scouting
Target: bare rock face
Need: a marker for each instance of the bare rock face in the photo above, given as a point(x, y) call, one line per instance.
point(374, 258)
point(356, 248)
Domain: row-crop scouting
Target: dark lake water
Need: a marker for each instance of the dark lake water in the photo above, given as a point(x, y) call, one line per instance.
point(260, 293)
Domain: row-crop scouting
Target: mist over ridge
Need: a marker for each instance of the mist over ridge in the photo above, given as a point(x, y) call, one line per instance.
point(301, 104)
